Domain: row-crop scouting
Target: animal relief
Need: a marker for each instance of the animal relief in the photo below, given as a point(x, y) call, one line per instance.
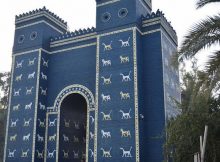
point(42, 107)
point(76, 125)
point(107, 47)
point(14, 123)
point(43, 91)
point(76, 154)
point(26, 137)
point(29, 91)
point(125, 133)
point(24, 154)
point(13, 138)
point(18, 78)
point(65, 154)
point(43, 76)
point(19, 64)
point(28, 106)
point(105, 134)
point(41, 123)
point(27, 122)
point(31, 62)
point(65, 138)
point(106, 116)
point(124, 43)
point(52, 123)
point(45, 63)
point(92, 119)
point(91, 135)
point(40, 138)
point(105, 97)
point(11, 154)
point(16, 107)
point(106, 154)
point(106, 81)
point(126, 78)
point(50, 154)
point(52, 138)
point(75, 139)
point(66, 123)
point(17, 93)
point(126, 153)
point(40, 155)
point(124, 59)
point(124, 96)
point(31, 76)
point(106, 62)
point(125, 115)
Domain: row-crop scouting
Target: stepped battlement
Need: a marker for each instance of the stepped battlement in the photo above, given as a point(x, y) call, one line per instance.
point(158, 14)
point(158, 17)
point(76, 33)
point(38, 13)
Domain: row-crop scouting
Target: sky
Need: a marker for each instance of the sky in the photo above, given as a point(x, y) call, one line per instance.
point(181, 13)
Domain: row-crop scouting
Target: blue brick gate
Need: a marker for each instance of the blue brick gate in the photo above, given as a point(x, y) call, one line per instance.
point(100, 94)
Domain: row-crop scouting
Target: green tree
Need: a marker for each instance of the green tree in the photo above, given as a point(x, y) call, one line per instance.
point(199, 108)
point(203, 35)
point(4, 90)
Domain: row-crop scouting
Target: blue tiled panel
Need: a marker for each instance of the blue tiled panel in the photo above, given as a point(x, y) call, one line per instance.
point(21, 117)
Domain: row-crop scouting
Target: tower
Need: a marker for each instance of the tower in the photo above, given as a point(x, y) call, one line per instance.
point(96, 94)
point(114, 14)
point(27, 104)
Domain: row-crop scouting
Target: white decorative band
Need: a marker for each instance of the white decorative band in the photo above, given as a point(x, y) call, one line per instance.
point(74, 40)
point(106, 3)
point(58, 51)
point(39, 15)
point(38, 22)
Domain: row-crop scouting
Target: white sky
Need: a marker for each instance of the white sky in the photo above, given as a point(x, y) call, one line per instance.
point(81, 14)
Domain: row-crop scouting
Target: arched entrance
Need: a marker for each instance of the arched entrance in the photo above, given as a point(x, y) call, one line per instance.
point(76, 105)
point(73, 122)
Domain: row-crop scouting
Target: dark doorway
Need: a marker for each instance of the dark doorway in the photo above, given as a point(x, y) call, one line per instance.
point(72, 137)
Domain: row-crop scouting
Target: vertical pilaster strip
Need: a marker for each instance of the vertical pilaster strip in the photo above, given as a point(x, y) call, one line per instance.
point(136, 94)
point(96, 99)
point(9, 106)
point(58, 132)
point(36, 105)
point(87, 129)
point(46, 134)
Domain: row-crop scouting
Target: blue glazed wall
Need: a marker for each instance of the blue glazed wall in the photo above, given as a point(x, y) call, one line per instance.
point(154, 120)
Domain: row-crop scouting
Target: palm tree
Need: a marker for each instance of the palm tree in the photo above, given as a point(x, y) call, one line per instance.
point(203, 35)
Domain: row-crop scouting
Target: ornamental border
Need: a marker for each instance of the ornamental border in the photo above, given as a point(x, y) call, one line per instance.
point(36, 105)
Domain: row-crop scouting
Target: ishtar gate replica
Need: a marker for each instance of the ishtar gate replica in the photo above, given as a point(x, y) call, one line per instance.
point(100, 94)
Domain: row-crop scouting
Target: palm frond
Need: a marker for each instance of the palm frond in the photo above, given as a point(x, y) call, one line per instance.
point(202, 35)
point(202, 3)
point(213, 63)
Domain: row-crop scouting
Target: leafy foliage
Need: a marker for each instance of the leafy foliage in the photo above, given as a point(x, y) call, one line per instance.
point(200, 96)
point(202, 3)
point(200, 108)
point(4, 89)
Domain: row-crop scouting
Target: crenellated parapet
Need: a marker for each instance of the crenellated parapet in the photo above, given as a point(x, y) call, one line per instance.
point(42, 12)
point(158, 17)
point(74, 34)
